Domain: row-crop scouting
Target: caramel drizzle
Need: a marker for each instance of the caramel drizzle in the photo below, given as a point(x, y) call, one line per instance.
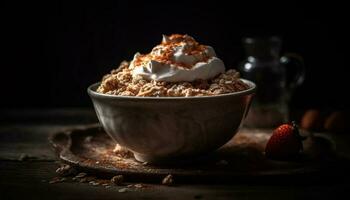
point(166, 56)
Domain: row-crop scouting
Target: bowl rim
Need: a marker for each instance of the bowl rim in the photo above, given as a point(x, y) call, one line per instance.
point(92, 92)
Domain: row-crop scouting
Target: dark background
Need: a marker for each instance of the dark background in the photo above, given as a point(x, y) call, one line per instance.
point(54, 51)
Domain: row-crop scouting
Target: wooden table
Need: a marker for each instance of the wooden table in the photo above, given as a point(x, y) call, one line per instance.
point(27, 164)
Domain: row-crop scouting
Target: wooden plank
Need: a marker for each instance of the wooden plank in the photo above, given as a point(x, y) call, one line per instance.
point(30, 140)
point(48, 116)
point(92, 150)
point(27, 133)
point(25, 180)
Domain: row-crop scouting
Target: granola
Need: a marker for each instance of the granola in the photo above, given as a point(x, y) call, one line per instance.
point(178, 67)
point(121, 82)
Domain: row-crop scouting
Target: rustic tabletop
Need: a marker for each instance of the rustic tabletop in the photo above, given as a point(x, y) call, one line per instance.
point(28, 164)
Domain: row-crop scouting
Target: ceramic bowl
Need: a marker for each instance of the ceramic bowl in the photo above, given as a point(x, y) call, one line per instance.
point(160, 129)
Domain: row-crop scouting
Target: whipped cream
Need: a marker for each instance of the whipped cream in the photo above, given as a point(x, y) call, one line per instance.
point(178, 58)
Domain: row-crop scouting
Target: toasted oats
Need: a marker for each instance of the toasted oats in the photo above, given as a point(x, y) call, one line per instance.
point(80, 175)
point(122, 190)
point(168, 180)
point(139, 185)
point(121, 82)
point(117, 180)
point(57, 180)
point(66, 170)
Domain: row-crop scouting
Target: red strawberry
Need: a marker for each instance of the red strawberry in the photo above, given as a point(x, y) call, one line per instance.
point(284, 143)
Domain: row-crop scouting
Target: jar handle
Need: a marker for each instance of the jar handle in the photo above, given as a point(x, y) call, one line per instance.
point(295, 69)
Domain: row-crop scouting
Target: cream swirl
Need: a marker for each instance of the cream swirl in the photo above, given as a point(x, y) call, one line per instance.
point(178, 58)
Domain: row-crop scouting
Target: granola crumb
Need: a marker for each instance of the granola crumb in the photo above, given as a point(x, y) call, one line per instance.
point(66, 170)
point(80, 175)
point(83, 180)
point(122, 151)
point(124, 84)
point(122, 190)
point(94, 183)
point(168, 180)
point(88, 139)
point(57, 180)
point(117, 180)
point(139, 185)
point(25, 157)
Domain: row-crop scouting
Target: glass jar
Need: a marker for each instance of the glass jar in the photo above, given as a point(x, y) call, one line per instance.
point(275, 76)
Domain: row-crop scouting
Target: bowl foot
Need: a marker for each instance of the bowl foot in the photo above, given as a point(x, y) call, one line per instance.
point(147, 158)
point(177, 160)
